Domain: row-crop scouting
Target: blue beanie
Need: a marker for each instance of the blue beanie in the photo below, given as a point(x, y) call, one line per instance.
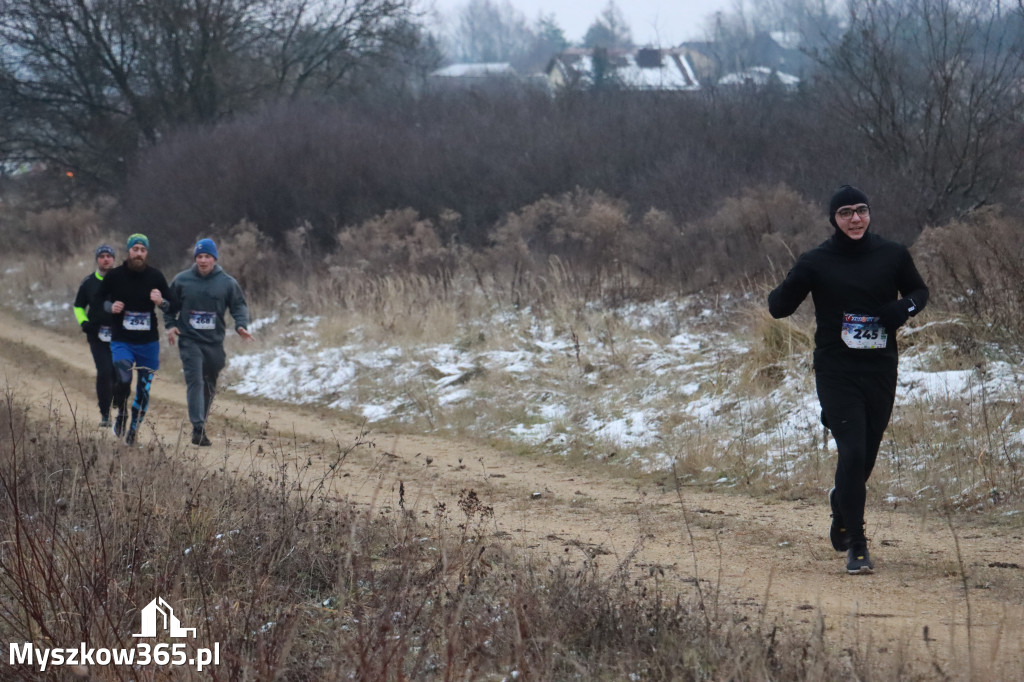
point(105, 248)
point(206, 246)
point(137, 238)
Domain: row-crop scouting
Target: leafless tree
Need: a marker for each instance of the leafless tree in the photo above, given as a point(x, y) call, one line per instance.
point(86, 83)
point(936, 88)
point(491, 31)
point(609, 30)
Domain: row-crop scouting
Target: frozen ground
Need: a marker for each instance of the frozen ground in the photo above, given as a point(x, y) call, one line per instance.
point(648, 384)
point(671, 376)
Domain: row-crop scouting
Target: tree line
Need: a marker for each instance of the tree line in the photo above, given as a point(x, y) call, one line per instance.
point(200, 113)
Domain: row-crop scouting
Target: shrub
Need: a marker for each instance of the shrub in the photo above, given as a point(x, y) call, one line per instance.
point(757, 233)
point(255, 261)
point(65, 231)
point(399, 242)
point(975, 266)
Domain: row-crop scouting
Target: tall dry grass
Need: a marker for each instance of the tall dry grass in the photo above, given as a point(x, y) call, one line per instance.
point(977, 266)
point(575, 273)
point(296, 584)
point(574, 264)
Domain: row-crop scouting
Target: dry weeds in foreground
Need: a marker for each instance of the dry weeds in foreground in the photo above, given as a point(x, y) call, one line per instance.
point(295, 584)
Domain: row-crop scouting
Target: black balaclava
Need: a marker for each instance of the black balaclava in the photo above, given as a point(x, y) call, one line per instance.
point(847, 195)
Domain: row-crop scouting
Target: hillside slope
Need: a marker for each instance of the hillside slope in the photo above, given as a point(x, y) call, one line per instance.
point(769, 557)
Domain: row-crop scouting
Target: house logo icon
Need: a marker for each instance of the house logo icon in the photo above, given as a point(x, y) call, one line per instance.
point(158, 611)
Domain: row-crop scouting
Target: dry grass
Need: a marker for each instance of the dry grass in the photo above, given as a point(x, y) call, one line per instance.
point(296, 585)
point(977, 264)
point(299, 586)
point(608, 378)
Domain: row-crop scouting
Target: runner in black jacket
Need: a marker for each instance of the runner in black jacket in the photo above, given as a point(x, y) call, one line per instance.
point(94, 320)
point(864, 288)
point(133, 291)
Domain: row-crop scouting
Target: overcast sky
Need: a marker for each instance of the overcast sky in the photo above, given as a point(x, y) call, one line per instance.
point(658, 22)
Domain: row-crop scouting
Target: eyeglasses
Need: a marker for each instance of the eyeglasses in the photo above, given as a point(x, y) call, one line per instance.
point(847, 213)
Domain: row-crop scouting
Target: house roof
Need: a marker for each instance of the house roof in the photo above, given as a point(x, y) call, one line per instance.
point(642, 69)
point(476, 70)
point(759, 76)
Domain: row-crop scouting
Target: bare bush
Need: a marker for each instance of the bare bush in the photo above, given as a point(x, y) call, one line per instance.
point(399, 242)
point(753, 234)
point(582, 245)
point(256, 263)
point(480, 156)
point(64, 231)
point(975, 265)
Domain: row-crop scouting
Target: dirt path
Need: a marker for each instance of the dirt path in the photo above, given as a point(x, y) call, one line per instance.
point(766, 556)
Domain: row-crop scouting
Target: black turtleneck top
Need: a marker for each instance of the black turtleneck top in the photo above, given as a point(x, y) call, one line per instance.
point(132, 287)
point(850, 277)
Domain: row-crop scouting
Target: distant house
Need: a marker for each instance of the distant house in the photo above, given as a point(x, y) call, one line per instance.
point(746, 61)
point(760, 76)
point(641, 69)
point(779, 51)
point(481, 75)
point(703, 57)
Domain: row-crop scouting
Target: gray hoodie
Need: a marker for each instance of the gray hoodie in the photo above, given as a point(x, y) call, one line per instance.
point(203, 302)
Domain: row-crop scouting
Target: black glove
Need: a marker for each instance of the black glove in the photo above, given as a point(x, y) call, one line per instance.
point(90, 327)
point(895, 313)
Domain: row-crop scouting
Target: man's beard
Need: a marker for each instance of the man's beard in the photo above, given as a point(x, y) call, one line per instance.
point(137, 264)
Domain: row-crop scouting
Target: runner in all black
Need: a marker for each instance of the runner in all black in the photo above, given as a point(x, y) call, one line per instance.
point(864, 288)
point(95, 322)
point(133, 291)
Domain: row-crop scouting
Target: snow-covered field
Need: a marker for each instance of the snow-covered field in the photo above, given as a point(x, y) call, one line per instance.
point(653, 384)
point(674, 381)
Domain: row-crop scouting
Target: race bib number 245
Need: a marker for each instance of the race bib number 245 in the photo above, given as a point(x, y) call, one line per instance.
point(863, 332)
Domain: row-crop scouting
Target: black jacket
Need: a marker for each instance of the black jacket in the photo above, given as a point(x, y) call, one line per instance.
point(843, 277)
point(124, 284)
point(90, 299)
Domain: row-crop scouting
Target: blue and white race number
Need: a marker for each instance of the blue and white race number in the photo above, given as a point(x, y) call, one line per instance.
point(202, 320)
point(136, 322)
point(863, 332)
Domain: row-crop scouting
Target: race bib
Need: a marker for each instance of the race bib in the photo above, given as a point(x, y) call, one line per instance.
point(136, 322)
point(202, 320)
point(104, 334)
point(863, 332)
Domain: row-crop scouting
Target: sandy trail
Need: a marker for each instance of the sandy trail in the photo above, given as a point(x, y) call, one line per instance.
point(766, 556)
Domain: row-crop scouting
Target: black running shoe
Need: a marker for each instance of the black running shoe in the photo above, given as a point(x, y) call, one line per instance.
point(199, 437)
point(119, 424)
point(837, 533)
point(130, 437)
point(858, 560)
point(105, 421)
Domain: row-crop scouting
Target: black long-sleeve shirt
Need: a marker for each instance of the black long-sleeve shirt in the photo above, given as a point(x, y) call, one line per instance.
point(847, 277)
point(137, 323)
point(89, 301)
